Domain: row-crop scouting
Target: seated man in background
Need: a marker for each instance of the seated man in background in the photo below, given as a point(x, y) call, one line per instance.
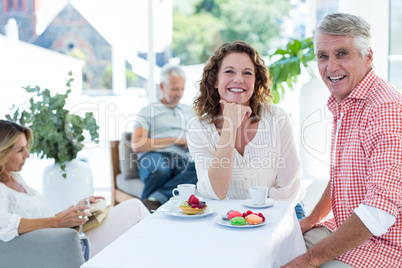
point(159, 138)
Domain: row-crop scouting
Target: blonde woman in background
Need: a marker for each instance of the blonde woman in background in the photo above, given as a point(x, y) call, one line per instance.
point(23, 209)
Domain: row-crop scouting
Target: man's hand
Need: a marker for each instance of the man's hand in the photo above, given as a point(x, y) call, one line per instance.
point(181, 142)
point(306, 224)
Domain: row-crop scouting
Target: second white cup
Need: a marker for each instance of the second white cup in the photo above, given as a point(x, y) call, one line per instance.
point(258, 194)
point(184, 190)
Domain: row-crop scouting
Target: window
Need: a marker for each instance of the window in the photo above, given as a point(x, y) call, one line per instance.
point(15, 5)
point(10, 5)
point(395, 49)
point(325, 7)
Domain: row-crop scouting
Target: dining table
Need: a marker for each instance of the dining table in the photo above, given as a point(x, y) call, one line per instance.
point(170, 238)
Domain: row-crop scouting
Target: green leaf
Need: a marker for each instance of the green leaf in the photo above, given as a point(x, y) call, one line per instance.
point(276, 96)
point(294, 46)
point(280, 52)
point(294, 68)
point(307, 43)
point(286, 69)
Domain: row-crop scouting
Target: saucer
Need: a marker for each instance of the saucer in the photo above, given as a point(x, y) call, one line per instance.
point(268, 202)
point(175, 199)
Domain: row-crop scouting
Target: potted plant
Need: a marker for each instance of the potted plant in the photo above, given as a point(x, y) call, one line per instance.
point(58, 135)
point(288, 67)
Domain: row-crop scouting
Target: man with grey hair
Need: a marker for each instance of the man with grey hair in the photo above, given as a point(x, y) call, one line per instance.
point(365, 188)
point(159, 138)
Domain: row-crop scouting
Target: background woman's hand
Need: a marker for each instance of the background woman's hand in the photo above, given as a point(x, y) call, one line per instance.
point(70, 217)
point(95, 199)
point(235, 113)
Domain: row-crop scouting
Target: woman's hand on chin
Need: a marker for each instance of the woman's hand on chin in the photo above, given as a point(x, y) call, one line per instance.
point(234, 112)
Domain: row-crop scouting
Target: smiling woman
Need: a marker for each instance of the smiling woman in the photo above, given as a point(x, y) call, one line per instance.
point(236, 78)
point(239, 131)
point(207, 103)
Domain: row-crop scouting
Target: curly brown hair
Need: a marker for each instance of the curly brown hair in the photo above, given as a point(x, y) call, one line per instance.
point(206, 104)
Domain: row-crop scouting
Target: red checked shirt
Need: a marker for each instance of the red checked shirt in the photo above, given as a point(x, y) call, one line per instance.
point(366, 153)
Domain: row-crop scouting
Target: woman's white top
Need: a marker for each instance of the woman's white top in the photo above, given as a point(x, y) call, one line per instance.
point(16, 205)
point(269, 159)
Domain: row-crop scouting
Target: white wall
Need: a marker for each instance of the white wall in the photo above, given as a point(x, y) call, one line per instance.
point(377, 14)
point(24, 64)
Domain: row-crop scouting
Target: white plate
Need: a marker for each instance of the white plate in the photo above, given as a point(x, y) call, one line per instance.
point(220, 221)
point(268, 202)
point(179, 213)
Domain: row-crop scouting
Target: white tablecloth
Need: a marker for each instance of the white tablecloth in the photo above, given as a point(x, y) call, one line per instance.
point(162, 240)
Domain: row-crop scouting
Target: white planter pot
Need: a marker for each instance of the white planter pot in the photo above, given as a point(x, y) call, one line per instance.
point(61, 192)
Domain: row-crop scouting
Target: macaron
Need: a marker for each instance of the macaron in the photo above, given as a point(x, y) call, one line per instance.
point(238, 221)
point(253, 219)
point(234, 213)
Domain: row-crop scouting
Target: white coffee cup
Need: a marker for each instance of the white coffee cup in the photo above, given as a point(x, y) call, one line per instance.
point(258, 194)
point(185, 191)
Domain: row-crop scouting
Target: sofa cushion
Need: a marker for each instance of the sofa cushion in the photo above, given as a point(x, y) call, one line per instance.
point(127, 158)
point(133, 186)
point(44, 248)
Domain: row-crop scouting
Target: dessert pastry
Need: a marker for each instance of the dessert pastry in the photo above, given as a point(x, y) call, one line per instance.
point(249, 212)
point(234, 213)
point(253, 219)
point(193, 206)
point(238, 221)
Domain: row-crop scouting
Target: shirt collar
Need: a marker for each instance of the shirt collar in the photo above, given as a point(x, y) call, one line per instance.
point(359, 92)
point(178, 106)
point(362, 89)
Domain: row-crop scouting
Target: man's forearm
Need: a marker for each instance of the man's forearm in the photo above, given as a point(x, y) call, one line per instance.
point(153, 144)
point(351, 234)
